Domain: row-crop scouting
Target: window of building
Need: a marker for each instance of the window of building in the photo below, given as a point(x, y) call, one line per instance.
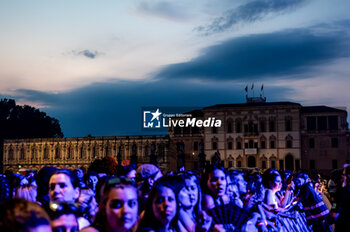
point(214, 130)
point(246, 145)
point(263, 144)
point(273, 164)
point(195, 146)
point(321, 123)
point(187, 130)
point(333, 122)
point(195, 130)
point(289, 142)
point(33, 153)
point(334, 142)
point(229, 145)
point(311, 123)
point(238, 127)
point(263, 164)
point(288, 124)
point(229, 164)
point(281, 164)
point(272, 144)
point(297, 164)
point(272, 127)
point(229, 127)
point(214, 145)
point(46, 152)
point(11, 153)
point(177, 130)
point(57, 153)
point(262, 126)
point(246, 128)
point(22, 154)
point(311, 143)
point(239, 145)
point(251, 143)
point(69, 153)
point(312, 164)
point(255, 144)
point(334, 164)
point(239, 163)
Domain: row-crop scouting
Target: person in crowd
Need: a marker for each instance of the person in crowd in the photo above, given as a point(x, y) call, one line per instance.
point(315, 210)
point(161, 211)
point(146, 175)
point(91, 180)
point(4, 188)
point(214, 187)
point(118, 210)
point(237, 187)
point(273, 184)
point(214, 183)
point(63, 217)
point(64, 187)
point(189, 195)
point(42, 180)
point(27, 192)
point(19, 215)
point(87, 204)
point(79, 174)
point(343, 203)
point(130, 171)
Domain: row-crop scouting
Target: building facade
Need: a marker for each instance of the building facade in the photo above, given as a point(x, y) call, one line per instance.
point(280, 135)
point(80, 152)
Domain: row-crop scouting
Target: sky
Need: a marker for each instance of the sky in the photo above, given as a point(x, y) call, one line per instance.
point(93, 64)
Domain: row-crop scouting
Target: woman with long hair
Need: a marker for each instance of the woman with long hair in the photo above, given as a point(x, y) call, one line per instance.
point(118, 210)
point(189, 195)
point(161, 211)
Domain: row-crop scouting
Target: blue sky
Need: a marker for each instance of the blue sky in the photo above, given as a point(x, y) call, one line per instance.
point(94, 64)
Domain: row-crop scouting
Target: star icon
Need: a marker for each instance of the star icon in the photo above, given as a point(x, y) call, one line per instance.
point(156, 115)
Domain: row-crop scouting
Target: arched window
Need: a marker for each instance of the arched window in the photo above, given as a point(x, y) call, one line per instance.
point(272, 142)
point(229, 126)
point(22, 154)
point(289, 141)
point(214, 143)
point(238, 126)
point(46, 152)
point(57, 153)
point(33, 153)
point(11, 153)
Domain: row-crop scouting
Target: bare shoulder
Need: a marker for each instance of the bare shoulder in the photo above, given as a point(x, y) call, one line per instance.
point(89, 229)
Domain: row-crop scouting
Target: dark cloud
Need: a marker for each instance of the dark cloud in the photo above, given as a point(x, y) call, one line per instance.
point(248, 13)
point(273, 55)
point(87, 53)
point(114, 108)
point(162, 9)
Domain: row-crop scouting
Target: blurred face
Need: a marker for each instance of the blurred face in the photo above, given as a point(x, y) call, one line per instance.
point(93, 181)
point(164, 205)
point(122, 208)
point(188, 196)
point(299, 182)
point(65, 223)
point(131, 174)
point(217, 183)
point(61, 189)
point(277, 184)
point(241, 184)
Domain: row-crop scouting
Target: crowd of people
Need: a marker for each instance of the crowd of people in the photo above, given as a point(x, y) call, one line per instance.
point(144, 199)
